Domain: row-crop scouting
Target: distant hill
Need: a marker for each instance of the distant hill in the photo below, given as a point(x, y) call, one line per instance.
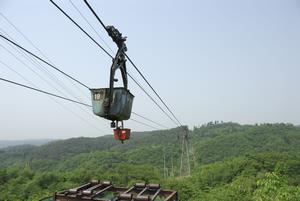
point(220, 141)
point(233, 162)
point(212, 142)
point(10, 143)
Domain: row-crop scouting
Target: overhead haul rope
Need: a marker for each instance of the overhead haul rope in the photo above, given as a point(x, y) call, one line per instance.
point(88, 35)
point(57, 69)
point(143, 124)
point(32, 54)
point(48, 73)
point(78, 26)
point(58, 81)
point(68, 99)
point(140, 86)
point(39, 66)
point(44, 92)
point(144, 78)
point(90, 25)
point(39, 58)
point(149, 120)
point(63, 106)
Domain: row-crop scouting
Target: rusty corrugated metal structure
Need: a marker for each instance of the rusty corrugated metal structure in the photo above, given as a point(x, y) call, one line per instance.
point(106, 191)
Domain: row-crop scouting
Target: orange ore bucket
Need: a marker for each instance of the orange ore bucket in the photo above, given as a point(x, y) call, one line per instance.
point(122, 134)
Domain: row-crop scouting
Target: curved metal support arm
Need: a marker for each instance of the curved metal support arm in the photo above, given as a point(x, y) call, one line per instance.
point(119, 62)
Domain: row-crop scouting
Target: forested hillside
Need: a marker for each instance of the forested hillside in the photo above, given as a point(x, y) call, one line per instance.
point(9, 143)
point(233, 162)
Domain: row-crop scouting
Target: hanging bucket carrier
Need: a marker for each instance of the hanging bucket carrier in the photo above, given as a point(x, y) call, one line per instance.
point(112, 103)
point(118, 109)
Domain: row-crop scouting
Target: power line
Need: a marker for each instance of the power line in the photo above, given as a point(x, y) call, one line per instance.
point(44, 92)
point(149, 120)
point(154, 101)
point(95, 14)
point(63, 106)
point(144, 124)
point(52, 77)
point(39, 58)
point(152, 89)
point(24, 36)
point(88, 35)
point(32, 70)
point(41, 77)
point(67, 99)
point(43, 54)
point(91, 26)
point(64, 98)
point(61, 97)
point(33, 62)
point(19, 74)
point(48, 73)
point(38, 65)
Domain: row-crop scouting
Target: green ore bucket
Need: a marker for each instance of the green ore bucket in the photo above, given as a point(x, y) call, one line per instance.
point(120, 107)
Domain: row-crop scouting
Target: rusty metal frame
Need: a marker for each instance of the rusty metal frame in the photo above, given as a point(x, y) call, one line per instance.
point(93, 190)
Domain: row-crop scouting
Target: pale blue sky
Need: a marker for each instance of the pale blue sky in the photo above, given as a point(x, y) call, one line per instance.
point(210, 60)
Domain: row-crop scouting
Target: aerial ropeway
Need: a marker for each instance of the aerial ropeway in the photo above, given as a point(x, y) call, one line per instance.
point(112, 103)
point(115, 103)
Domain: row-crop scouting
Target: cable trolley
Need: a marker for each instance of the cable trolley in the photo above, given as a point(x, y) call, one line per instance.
point(115, 103)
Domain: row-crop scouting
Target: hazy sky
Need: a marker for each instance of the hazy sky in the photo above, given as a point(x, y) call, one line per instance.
point(210, 60)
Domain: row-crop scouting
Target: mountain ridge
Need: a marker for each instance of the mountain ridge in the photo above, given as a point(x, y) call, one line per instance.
point(35, 142)
point(233, 162)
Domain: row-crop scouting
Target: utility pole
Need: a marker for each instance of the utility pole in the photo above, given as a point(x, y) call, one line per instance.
point(193, 155)
point(186, 151)
point(172, 174)
point(164, 165)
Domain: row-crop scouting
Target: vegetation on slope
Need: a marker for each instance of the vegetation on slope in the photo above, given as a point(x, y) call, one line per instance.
point(234, 162)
